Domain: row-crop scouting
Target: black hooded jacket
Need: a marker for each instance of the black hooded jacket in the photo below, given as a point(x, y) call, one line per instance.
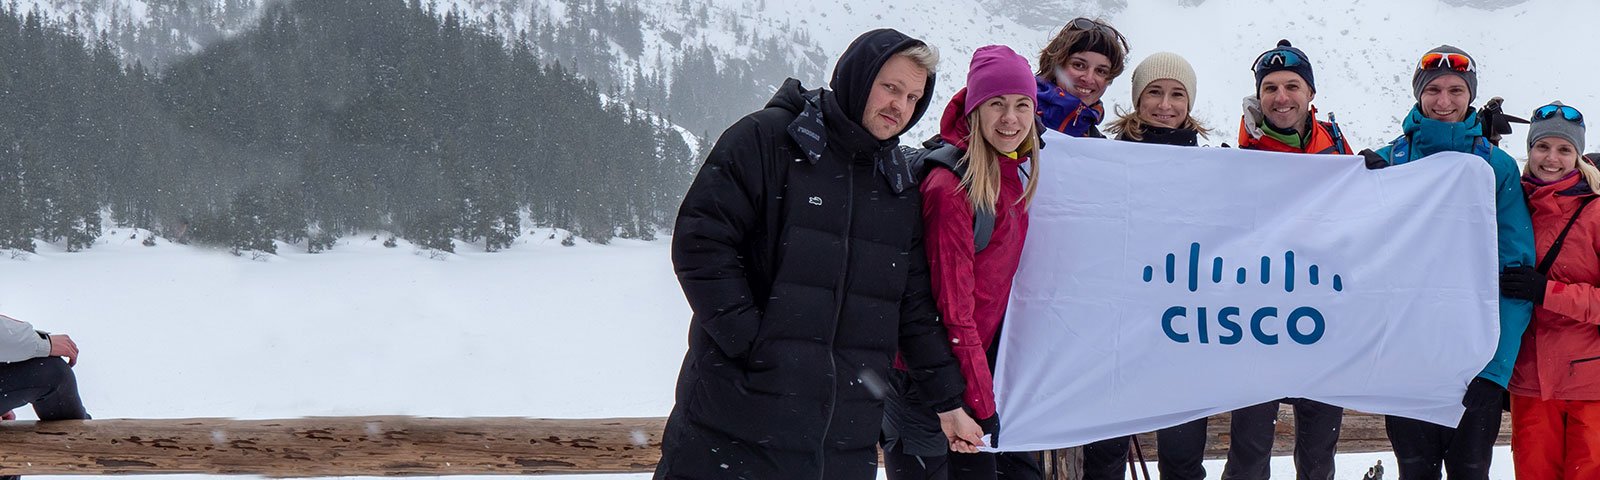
point(804, 265)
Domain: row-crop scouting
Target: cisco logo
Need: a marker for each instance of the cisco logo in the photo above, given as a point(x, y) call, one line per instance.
point(1303, 325)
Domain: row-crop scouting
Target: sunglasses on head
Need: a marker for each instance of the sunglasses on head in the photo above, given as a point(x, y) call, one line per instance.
point(1278, 59)
point(1550, 111)
point(1085, 24)
point(1453, 61)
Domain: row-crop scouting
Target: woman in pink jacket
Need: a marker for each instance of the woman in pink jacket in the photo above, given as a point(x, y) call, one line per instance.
point(1555, 386)
point(988, 132)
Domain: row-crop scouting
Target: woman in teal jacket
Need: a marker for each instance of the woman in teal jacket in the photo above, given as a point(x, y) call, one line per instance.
point(1445, 84)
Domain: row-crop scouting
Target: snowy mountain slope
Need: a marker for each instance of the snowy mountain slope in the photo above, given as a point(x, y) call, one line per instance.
point(1363, 50)
point(92, 15)
point(155, 32)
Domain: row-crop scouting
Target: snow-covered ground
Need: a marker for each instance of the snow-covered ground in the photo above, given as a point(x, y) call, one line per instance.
point(538, 330)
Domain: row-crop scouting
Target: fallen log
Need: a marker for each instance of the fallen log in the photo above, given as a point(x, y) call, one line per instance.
point(333, 446)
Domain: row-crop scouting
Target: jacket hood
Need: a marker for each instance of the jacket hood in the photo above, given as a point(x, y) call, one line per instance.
point(791, 96)
point(953, 126)
point(816, 128)
point(1574, 185)
point(1579, 188)
point(858, 67)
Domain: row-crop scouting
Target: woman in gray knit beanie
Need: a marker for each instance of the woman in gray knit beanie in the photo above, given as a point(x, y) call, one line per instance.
point(1555, 402)
point(1555, 148)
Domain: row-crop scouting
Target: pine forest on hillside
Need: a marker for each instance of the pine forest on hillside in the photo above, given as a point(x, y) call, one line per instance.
point(326, 118)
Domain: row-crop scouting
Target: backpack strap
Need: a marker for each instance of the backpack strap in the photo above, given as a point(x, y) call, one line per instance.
point(1400, 149)
point(982, 229)
point(1339, 145)
point(1555, 248)
point(1482, 148)
point(946, 156)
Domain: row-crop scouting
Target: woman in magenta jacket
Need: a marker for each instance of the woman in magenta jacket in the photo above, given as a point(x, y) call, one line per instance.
point(991, 125)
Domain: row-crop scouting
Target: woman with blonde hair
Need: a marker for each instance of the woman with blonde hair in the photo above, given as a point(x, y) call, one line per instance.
point(1163, 93)
point(975, 218)
point(1555, 384)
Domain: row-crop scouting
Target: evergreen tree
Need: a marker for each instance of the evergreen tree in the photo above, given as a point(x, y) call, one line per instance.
point(325, 118)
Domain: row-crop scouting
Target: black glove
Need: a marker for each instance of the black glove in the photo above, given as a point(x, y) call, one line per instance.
point(1523, 283)
point(1483, 393)
point(990, 425)
point(1374, 161)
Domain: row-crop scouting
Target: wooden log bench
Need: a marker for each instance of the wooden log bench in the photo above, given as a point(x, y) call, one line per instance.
point(331, 446)
point(400, 446)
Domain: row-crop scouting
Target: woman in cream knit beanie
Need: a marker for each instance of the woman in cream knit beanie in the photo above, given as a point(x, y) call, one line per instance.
point(1163, 94)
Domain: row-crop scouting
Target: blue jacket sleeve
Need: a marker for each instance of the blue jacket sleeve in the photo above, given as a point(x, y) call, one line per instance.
point(1515, 235)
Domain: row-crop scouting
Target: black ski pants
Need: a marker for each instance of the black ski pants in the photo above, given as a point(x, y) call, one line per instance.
point(45, 382)
point(1421, 447)
point(898, 465)
point(1106, 459)
point(1180, 450)
point(1316, 433)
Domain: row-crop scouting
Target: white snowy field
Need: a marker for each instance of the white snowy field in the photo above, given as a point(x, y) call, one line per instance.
point(538, 330)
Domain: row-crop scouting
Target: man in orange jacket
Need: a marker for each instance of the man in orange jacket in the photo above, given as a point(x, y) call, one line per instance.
point(1279, 118)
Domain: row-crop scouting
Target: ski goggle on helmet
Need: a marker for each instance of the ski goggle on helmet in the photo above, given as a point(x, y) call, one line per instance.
point(1550, 111)
point(1453, 61)
point(1277, 59)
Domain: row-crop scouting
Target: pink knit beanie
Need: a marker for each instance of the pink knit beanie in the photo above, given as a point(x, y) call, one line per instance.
point(996, 71)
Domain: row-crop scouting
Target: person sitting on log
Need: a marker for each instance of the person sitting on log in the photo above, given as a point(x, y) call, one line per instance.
point(37, 369)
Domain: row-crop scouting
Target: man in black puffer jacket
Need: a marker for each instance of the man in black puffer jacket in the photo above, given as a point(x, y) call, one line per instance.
point(799, 248)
